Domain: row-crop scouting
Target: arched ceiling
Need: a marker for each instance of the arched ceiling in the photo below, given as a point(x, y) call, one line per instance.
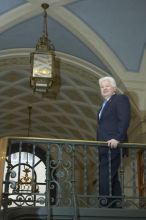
point(91, 38)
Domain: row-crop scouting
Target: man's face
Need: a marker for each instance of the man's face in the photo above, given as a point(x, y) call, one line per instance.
point(107, 90)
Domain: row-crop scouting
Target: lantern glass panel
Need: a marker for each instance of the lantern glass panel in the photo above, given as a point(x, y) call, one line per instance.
point(42, 65)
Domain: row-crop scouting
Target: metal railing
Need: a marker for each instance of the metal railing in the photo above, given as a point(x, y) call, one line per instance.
point(65, 173)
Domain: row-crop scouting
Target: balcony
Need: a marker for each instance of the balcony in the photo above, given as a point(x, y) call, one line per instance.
point(50, 179)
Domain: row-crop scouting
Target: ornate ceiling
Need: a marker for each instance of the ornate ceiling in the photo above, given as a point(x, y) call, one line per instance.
point(91, 38)
point(67, 111)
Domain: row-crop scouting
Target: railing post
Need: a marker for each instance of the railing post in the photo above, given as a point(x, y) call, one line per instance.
point(133, 167)
point(48, 183)
point(75, 202)
point(97, 172)
point(85, 169)
point(110, 174)
point(122, 176)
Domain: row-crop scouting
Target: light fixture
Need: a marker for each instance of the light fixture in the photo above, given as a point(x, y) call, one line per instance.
point(43, 61)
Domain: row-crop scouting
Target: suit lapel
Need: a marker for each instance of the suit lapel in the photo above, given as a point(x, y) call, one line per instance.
point(108, 103)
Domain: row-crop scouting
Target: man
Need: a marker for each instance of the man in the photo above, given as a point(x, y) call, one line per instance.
point(113, 123)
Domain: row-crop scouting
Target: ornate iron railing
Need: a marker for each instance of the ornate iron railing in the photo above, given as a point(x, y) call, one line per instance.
point(65, 173)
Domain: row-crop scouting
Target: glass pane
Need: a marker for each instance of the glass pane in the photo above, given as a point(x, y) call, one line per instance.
point(42, 65)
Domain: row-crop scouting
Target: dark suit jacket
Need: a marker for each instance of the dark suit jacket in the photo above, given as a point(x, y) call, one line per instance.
point(115, 119)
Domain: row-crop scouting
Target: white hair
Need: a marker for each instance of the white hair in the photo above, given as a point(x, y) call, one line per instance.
point(109, 79)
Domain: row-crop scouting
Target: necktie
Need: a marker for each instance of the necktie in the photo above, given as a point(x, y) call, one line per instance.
point(103, 105)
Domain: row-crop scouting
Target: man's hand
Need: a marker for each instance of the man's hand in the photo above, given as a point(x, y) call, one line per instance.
point(112, 143)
